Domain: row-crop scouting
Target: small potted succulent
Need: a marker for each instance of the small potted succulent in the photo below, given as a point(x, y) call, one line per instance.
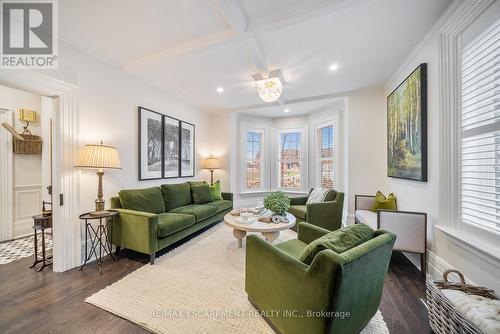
point(278, 202)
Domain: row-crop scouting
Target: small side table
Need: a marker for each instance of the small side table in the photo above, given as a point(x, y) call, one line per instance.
point(95, 236)
point(40, 223)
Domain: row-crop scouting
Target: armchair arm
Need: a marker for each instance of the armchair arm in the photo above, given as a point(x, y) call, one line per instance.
point(301, 200)
point(409, 227)
point(363, 202)
point(227, 196)
point(308, 232)
point(327, 214)
point(136, 230)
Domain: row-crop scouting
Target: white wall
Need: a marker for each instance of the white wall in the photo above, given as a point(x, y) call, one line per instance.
point(27, 167)
point(366, 151)
point(444, 252)
point(109, 113)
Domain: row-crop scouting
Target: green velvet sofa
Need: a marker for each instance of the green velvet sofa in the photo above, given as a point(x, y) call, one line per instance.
point(151, 219)
point(327, 214)
point(336, 294)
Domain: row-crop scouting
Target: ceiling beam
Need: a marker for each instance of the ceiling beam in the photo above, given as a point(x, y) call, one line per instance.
point(243, 29)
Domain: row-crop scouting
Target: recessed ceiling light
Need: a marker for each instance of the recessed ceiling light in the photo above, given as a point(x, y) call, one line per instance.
point(334, 67)
point(220, 90)
point(287, 110)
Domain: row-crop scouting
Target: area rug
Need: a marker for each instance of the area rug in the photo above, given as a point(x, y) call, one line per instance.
point(23, 247)
point(198, 287)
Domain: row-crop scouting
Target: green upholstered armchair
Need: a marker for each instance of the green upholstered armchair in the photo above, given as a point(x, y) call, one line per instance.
point(337, 293)
point(327, 214)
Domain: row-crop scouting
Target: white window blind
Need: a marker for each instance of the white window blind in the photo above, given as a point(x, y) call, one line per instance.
point(325, 153)
point(480, 129)
point(254, 160)
point(290, 164)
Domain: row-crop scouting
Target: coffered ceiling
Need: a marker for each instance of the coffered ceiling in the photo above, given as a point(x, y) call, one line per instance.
point(191, 47)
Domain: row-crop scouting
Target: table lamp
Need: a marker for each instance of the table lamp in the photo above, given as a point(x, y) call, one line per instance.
point(211, 164)
point(99, 157)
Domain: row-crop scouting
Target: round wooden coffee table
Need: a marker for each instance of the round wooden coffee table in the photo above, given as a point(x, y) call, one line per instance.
point(270, 231)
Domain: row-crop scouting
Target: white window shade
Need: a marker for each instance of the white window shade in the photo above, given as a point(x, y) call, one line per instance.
point(480, 129)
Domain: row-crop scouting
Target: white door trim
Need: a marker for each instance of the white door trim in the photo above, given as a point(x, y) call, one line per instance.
point(6, 179)
point(66, 142)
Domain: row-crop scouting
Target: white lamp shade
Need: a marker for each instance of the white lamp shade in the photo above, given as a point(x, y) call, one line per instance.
point(99, 157)
point(211, 163)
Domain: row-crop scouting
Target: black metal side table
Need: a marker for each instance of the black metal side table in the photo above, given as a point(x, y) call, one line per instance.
point(40, 223)
point(98, 246)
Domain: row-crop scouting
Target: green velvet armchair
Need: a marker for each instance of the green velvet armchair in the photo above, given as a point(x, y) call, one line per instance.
point(337, 293)
point(327, 214)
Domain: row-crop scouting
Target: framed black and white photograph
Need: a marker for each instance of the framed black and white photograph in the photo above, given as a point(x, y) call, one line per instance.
point(150, 144)
point(171, 131)
point(187, 149)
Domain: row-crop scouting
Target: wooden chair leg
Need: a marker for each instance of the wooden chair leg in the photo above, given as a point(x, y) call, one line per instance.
point(423, 264)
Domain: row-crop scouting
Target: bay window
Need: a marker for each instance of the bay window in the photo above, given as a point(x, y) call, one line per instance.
point(290, 164)
point(324, 153)
point(254, 159)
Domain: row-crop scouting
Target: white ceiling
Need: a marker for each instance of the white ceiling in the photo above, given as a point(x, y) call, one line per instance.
point(191, 47)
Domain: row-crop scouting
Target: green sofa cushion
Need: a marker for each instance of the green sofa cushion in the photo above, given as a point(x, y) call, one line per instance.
point(216, 191)
point(299, 211)
point(176, 195)
point(144, 200)
point(292, 247)
point(339, 241)
point(384, 203)
point(200, 211)
point(170, 223)
point(196, 183)
point(201, 194)
point(221, 205)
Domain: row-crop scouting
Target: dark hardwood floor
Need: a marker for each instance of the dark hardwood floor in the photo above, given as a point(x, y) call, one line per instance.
point(48, 302)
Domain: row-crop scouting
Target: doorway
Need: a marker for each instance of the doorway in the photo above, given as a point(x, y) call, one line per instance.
point(26, 179)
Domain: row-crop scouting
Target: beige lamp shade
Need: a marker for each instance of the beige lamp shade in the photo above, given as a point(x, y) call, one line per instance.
point(211, 163)
point(99, 157)
point(27, 115)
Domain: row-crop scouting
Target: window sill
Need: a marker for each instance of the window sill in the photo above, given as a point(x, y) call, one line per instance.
point(265, 192)
point(486, 252)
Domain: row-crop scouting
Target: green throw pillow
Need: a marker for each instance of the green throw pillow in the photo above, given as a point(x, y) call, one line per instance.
point(196, 183)
point(144, 200)
point(384, 203)
point(201, 194)
point(176, 195)
point(215, 190)
point(338, 241)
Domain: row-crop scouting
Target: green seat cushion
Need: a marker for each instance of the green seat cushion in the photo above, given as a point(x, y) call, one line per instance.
point(200, 211)
point(292, 247)
point(201, 194)
point(339, 241)
point(170, 223)
point(176, 195)
point(144, 200)
point(299, 211)
point(384, 203)
point(216, 191)
point(221, 204)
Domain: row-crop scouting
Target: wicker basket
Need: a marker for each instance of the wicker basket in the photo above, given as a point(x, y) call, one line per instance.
point(444, 318)
point(30, 145)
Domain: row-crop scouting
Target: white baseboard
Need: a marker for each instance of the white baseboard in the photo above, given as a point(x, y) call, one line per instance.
point(93, 258)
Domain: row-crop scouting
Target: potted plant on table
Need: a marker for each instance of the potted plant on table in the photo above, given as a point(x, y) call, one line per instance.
point(278, 202)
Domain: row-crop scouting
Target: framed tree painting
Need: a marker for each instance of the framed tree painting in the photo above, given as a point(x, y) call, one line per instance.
point(407, 128)
point(187, 149)
point(171, 130)
point(150, 144)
